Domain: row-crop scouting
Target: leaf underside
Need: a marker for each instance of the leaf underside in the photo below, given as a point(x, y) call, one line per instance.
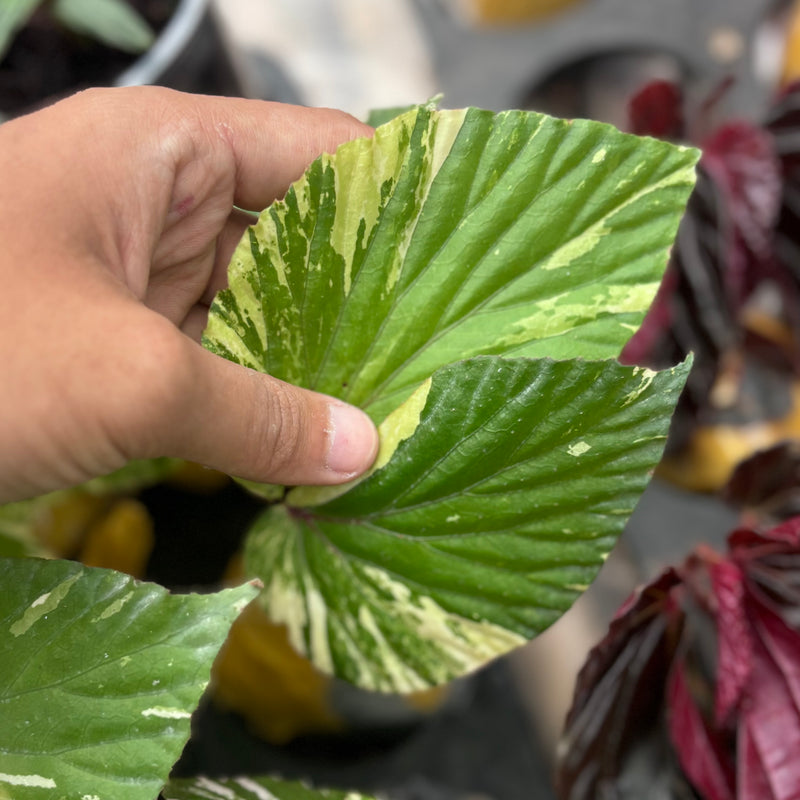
point(468, 279)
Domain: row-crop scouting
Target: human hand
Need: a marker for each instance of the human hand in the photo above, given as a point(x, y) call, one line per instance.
point(116, 225)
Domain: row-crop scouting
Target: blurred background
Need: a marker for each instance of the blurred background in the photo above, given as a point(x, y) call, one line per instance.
point(495, 734)
point(565, 56)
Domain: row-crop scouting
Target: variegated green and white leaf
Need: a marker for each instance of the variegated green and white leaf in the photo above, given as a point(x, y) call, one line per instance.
point(250, 789)
point(447, 275)
point(452, 234)
point(508, 483)
point(100, 675)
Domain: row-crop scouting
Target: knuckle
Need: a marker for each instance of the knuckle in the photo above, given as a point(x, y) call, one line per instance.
point(278, 428)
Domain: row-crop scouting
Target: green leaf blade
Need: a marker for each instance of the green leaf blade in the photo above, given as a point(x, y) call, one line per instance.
point(14, 14)
point(100, 676)
point(453, 234)
point(113, 22)
point(449, 276)
point(480, 531)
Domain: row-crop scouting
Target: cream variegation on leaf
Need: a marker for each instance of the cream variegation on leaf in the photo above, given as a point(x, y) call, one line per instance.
point(468, 278)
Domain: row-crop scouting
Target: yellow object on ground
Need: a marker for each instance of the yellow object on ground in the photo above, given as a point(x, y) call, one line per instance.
point(61, 527)
point(259, 675)
point(716, 450)
point(509, 12)
point(123, 539)
point(791, 55)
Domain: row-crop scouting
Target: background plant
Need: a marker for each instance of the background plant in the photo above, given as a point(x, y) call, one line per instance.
point(692, 692)
point(113, 22)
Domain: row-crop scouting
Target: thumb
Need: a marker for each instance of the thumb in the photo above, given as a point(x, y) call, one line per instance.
point(253, 426)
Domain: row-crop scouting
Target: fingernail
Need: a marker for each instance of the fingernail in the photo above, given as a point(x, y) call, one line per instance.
point(353, 440)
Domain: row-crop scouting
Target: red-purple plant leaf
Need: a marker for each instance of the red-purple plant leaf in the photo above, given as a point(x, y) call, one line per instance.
point(616, 698)
point(639, 610)
point(657, 110)
point(716, 681)
point(702, 756)
point(769, 730)
point(741, 159)
point(734, 645)
point(692, 312)
point(774, 581)
point(752, 780)
point(766, 485)
point(787, 532)
point(739, 238)
point(782, 644)
point(772, 725)
point(783, 122)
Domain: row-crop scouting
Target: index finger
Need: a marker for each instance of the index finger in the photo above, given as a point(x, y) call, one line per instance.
point(272, 144)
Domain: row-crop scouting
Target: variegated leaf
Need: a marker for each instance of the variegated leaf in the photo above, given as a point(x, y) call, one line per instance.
point(452, 234)
point(100, 675)
point(448, 276)
point(485, 523)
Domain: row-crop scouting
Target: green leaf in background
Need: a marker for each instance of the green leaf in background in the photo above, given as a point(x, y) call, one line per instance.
point(27, 525)
point(469, 279)
point(250, 789)
point(482, 529)
point(113, 22)
point(453, 234)
point(13, 16)
point(380, 116)
point(17, 529)
point(135, 475)
point(100, 675)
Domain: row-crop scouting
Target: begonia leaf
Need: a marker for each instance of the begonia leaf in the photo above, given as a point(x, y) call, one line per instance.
point(452, 234)
point(721, 637)
point(100, 676)
point(406, 580)
point(468, 279)
point(701, 755)
point(657, 110)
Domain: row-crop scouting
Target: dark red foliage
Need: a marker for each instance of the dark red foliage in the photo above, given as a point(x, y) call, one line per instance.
point(740, 159)
point(657, 110)
point(783, 123)
point(766, 485)
point(700, 669)
point(739, 242)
